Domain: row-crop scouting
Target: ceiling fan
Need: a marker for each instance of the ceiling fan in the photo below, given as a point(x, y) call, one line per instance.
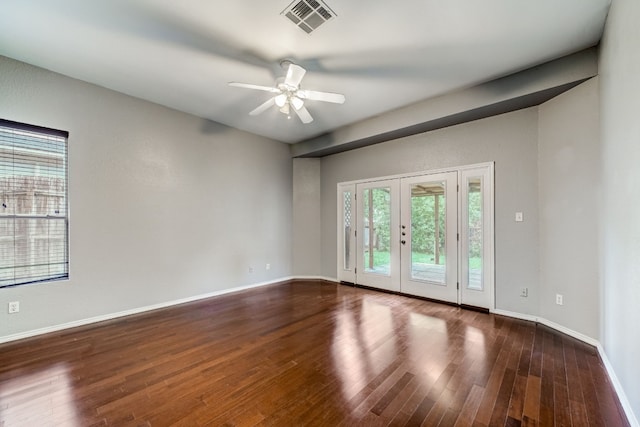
point(288, 95)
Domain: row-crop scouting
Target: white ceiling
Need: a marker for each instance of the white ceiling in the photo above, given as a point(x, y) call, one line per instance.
point(380, 54)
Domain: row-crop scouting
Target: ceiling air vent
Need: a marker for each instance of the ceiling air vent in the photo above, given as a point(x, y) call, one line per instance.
point(308, 14)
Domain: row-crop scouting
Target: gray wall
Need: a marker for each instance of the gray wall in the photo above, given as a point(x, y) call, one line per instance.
point(620, 231)
point(163, 205)
point(510, 140)
point(307, 235)
point(570, 197)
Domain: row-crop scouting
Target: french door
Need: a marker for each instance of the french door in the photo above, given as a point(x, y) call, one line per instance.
point(429, 235)
point(377, 237)
point(429, 249)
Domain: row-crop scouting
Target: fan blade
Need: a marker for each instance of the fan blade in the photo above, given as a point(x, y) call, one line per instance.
point(263, 107)
point(297, 102)
point(314, 95)
point(257, 87)
point(295, 73)
point(304, 115)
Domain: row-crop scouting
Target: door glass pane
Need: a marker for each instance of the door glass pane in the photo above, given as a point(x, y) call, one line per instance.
point(474, 186)
point(377, 230)
point(346, 221)
point(428, 236)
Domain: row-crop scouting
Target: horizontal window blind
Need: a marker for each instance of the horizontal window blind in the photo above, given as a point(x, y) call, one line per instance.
point(33, 204)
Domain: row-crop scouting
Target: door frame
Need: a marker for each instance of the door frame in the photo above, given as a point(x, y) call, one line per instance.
point(489, 260)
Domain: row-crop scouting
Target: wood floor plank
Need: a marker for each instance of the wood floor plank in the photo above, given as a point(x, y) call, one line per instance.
point(531, 410)
point(470, 408)
point(306, 353)
point(516, 400)
point(501, 407)
point(392, 393)
point(493, 386)
point(394, 409)
point(421, 412)
point(449, 419)
point(547, 407)
point(435, 415)
point(588, 386)
point(560, 384)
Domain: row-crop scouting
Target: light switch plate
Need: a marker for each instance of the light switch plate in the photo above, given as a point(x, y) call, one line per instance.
point(519, 217)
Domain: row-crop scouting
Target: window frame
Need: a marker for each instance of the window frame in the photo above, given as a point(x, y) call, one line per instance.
point(58, 139)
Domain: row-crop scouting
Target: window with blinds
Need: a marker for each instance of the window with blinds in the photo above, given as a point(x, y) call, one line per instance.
point(34, 226)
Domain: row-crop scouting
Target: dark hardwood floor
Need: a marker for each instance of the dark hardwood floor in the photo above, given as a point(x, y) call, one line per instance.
point(306, 353)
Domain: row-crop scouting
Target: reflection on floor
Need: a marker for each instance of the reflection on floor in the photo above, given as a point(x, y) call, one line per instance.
point(306, 353)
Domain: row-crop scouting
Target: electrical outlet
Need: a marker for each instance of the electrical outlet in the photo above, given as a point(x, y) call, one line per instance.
point(524, 292)
point(267, 267)
point(559, 299)
point(250, 269)
point(14, 307)
point(519, 217)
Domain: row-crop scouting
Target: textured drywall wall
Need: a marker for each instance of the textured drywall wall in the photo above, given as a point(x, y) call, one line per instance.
point(570, 196)
point(163, 205)
point(307, 235)
point(620, 235)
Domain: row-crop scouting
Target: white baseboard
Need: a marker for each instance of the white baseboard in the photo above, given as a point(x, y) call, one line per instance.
point(515, 315)
point(577, 335)
point(552, 325)
point(326, 279)
point(110, 316)
point(624, 401)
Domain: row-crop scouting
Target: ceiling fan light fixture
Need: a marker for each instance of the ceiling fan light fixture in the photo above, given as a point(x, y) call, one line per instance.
point(285, 109)
point(281, 100)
